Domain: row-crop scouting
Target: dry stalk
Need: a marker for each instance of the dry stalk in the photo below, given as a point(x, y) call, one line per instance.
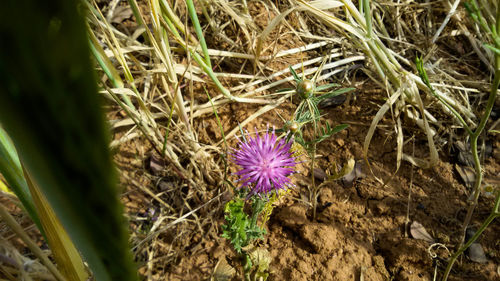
point(11, 222)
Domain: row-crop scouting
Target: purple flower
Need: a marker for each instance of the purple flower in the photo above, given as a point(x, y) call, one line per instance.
point(265, 163)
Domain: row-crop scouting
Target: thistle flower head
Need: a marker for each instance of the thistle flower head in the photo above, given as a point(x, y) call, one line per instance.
point(265, 163)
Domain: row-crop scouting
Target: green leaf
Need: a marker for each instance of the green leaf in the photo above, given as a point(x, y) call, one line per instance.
point(328, 132)
point(239, 228)
point(199, 31)
point(334, 93)
point(326, 87)
point(496, 50)
point(50, 108)
point(64, 251)
point(339, 128)
point(67, 257)
point(295, 76)
point(10, 168)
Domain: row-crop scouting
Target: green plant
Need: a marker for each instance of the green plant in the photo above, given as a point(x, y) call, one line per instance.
point(240, 229)
point(486, 24)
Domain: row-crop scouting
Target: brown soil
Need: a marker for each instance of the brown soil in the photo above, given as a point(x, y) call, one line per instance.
point(359, 230)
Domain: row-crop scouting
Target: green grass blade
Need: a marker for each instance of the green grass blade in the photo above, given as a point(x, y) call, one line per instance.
point(334, 93)
point(368, 18)
point(10, 168)
point(295, 76)
point(104, 61)
point(50, 108)
point(496, 50)
point(325, 87)
point(423, 75)
point(199, 32)
point(68, 259)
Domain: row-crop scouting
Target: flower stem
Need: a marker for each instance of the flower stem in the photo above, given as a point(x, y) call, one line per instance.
point(314, 193)
point(257, 208)
point(247, 266)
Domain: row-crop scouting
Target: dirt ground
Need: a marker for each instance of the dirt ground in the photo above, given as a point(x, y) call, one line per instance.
point(360, 228)
point(362, 231)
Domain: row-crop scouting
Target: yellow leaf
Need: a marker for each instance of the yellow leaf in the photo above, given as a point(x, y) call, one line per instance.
point(4, 188)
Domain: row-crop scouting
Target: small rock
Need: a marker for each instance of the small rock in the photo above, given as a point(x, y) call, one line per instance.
point(475, 251)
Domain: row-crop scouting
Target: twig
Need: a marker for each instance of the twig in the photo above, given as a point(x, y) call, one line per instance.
point(12, 223)
point(446, 20)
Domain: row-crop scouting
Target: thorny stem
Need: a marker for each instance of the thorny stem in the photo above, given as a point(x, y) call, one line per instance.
point(314, 193)
point(313, 158)
point(257, 207)
point(493, 215)
point(247, 266)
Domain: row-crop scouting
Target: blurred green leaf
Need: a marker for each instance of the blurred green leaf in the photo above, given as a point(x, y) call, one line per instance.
point(496, 50)
point(50, 108)
point(327, 131)
point(10, 168)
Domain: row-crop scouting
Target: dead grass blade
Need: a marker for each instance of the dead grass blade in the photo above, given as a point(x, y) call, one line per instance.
point(11, 222)
point(401, 84)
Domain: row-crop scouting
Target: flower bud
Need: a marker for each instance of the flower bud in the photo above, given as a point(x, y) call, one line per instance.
point(305, 88)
